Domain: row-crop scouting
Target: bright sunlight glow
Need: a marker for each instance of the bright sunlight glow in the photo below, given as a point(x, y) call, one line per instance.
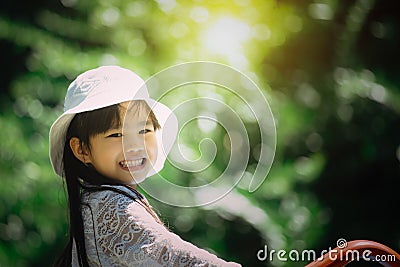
point(226, 36)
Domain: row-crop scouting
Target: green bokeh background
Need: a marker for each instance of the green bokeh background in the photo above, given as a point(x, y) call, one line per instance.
point(329, 68)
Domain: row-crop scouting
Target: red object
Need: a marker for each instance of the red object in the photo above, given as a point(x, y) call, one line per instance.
point(367, 250)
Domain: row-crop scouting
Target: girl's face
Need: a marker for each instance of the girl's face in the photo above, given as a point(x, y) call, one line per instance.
point(127, 153)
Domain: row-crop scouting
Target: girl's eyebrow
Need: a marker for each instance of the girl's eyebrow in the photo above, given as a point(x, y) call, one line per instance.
point(115, 127)
point(140, 123)
point(148, 122)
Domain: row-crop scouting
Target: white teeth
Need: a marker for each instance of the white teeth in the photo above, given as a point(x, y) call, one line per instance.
point(131, 163)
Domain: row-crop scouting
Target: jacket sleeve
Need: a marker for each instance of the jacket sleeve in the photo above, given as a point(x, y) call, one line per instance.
point(127, 235)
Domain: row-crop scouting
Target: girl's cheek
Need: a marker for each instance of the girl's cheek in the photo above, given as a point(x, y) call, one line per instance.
point(152, 146)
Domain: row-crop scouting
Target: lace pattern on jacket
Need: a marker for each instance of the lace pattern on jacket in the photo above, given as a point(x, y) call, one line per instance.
point(119, 231)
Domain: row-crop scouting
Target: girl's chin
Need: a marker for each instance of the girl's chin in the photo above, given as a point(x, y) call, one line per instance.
point(132, 179)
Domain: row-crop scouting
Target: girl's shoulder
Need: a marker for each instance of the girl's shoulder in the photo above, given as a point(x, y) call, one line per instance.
point(118, 203)
point(103, 193)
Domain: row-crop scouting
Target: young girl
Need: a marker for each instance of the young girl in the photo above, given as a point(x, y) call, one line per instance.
point(108, 140)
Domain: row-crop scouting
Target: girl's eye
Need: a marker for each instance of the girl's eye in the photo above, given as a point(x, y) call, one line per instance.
point(144, 131)
point(115, 135)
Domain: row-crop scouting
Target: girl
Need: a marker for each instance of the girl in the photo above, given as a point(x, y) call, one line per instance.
point(108, 140)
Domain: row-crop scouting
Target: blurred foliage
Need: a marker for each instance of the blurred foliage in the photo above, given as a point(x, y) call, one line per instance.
point(329, 69)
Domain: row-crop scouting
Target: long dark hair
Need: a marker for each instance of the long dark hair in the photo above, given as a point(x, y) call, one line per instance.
point(83, 126)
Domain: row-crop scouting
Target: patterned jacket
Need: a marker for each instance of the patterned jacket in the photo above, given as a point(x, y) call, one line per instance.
point(119, 231)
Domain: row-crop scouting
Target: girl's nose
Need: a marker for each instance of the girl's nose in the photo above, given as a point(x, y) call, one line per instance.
point(133, 144)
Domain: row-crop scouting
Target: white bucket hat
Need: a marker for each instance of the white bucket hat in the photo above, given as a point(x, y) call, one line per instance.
point(106, 86)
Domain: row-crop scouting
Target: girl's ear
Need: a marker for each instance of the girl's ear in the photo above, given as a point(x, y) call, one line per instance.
point(79, 151)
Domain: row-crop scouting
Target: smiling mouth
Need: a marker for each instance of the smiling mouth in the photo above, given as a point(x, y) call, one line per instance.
point(135, 164)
